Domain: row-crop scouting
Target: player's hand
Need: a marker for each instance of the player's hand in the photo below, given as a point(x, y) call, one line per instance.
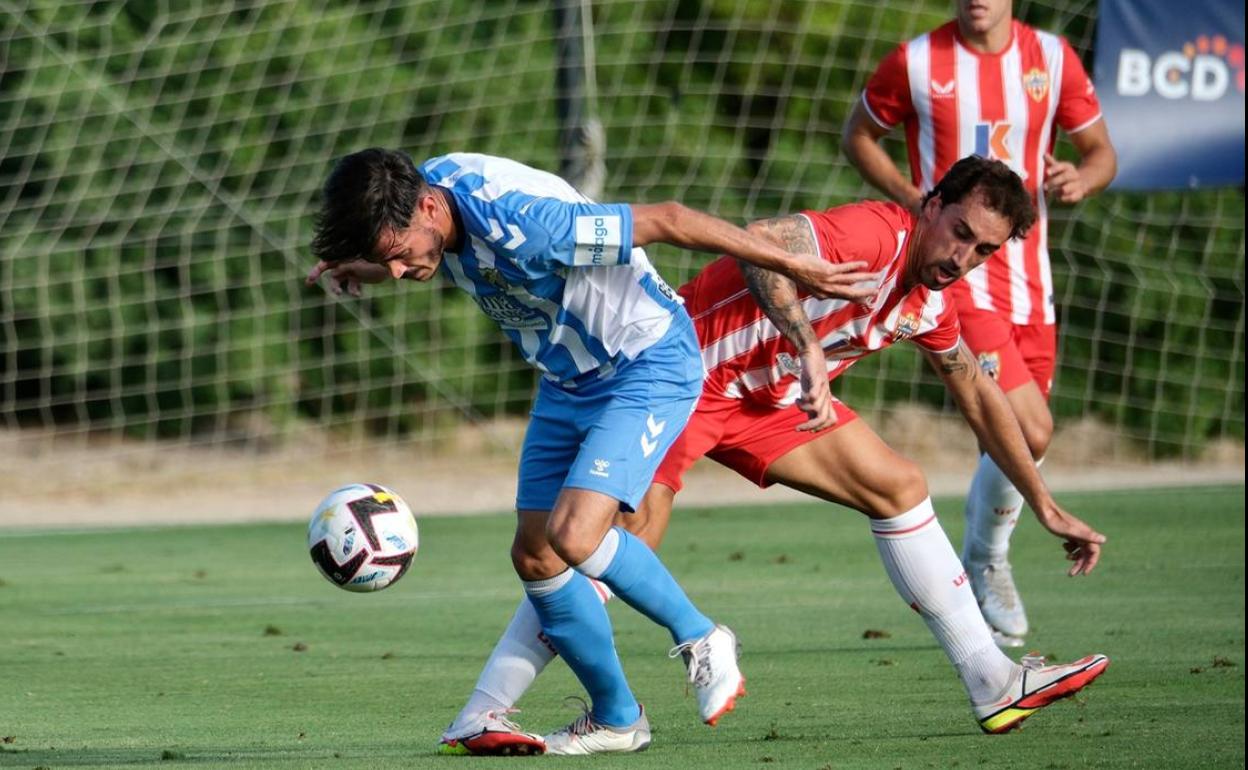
point(1082, 543)
point(347, 277)
point(1063, 181)
point(816, 398)
point(842, 280)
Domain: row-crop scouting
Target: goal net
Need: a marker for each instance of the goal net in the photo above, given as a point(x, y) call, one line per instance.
point(160, 161)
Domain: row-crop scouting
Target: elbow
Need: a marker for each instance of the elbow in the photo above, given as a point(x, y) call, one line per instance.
point(759, 228)
point(668, 216)
point(848, 147)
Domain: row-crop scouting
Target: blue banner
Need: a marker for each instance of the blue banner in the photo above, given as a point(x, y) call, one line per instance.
point(1170, 77)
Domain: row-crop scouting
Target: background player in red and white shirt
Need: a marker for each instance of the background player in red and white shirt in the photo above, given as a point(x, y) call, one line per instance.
point(773, 420)
point(987, 84)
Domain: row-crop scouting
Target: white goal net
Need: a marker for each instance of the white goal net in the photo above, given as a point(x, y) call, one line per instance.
point(160, 162)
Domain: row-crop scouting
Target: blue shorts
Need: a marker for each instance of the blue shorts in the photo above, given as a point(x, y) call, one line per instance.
point(610, 435)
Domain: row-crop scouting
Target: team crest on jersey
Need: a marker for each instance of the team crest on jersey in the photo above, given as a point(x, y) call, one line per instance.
point(906, 327)
point(494, 277)
point(990, 363)
point(1036, 81)
point(789, 365)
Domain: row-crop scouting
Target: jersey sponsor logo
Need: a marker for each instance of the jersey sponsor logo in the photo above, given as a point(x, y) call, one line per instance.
point(598, 240)
point(943, 90)
point(990, 363)
point(907, 326)
point(789, 365)
point(1036, 83)
point(990, 140)
point(663, 288)
point(1204, 70)
point(509, 314)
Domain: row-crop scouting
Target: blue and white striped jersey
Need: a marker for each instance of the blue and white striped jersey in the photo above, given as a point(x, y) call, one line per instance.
point(557, 272)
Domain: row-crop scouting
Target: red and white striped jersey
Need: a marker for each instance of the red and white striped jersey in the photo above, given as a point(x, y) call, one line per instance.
point(747, 357)
point(956, 102)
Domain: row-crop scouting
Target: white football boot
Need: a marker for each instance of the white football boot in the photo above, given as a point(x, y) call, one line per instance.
point(492, 734)
point(1034, 686)
point(712, 665)
point(993, 586)
point(585, 736)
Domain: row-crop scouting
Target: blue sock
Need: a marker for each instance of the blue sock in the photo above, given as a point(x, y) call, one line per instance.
point(635, 574)
point(577, 624)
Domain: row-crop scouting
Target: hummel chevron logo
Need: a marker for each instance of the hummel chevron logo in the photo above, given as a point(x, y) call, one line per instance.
point(649, 444)
point(654, 428)
point(496, 230)
point(517, 237)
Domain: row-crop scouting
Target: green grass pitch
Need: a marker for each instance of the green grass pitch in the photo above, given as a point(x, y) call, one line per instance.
point(221, 647)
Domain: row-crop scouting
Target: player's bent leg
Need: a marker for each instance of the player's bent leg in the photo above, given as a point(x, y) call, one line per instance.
point(574, 620)
point(1032, 410)
point(710, 660)
point(852, 466)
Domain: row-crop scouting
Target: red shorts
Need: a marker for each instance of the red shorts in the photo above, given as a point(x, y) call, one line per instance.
point(1012, 355)
point(743, 436)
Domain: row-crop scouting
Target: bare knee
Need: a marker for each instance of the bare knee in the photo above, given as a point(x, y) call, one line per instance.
point(1038, 432)
point(569, 541)
point(901, 490)
point(534, 560)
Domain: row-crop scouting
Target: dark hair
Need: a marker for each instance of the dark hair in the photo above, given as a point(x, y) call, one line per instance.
point(365, 192)
point(1001, 188)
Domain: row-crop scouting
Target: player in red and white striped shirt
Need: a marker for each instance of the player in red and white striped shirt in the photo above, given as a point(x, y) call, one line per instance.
point(986, 84)
point(766, 412)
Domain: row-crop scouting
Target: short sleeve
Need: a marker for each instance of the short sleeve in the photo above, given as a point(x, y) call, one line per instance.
point(887, 95)
point(547, 233)
point(1078, 106)
point(867, 231)
point(945, 336)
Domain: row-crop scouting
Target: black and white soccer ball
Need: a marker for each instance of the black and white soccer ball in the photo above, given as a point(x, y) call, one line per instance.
point(362, 537)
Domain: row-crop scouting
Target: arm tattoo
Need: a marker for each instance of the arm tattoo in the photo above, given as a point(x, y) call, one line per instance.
point(777, 294)
point(959, 362)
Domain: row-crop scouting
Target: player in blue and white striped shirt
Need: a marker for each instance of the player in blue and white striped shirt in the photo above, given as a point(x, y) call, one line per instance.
point(567, 281)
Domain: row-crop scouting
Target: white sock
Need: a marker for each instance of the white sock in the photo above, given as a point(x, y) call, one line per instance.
point(519, 656)
point(926, 572)
point(992, 508)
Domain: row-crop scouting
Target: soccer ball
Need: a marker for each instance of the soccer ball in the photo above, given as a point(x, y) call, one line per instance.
point(362, 537)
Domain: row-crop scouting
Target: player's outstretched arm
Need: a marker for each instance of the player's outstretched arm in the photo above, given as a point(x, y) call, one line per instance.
point(682, 226)
point(988, 413)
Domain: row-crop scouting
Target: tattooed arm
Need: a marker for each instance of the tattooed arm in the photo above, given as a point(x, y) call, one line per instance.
point(988, 412)
point(777, 296)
